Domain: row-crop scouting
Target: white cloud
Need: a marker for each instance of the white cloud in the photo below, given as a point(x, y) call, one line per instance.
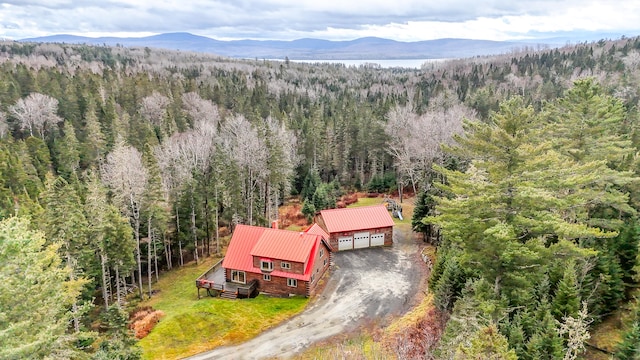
point(405, 20)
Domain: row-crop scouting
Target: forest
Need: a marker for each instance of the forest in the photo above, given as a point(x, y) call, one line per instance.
point(117, 164)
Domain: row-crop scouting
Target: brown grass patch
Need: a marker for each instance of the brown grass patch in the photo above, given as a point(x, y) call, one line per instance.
point(143, 320)
point(290, 214)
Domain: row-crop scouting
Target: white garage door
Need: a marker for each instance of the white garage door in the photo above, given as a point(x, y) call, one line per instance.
point(361, 240)
point(377, 239)
point(345, 243)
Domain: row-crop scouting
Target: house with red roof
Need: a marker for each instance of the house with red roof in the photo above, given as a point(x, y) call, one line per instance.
point(280, 262)
point(357, 228)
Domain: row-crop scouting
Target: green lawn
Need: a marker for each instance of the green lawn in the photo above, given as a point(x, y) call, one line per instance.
point(191, 326)
point(407, 207)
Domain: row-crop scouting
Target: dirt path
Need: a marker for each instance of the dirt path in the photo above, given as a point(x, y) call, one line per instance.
point(365, 285)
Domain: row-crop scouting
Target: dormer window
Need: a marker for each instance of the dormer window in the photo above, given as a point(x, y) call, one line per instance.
point(266, 265)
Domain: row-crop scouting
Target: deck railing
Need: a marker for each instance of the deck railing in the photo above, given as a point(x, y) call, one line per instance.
point(202, 282)
point(247, 290)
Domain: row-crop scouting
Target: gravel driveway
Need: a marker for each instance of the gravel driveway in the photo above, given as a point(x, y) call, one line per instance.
point(364, 285)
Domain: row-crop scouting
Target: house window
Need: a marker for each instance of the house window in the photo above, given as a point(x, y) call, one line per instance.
point(312, 276)
point(292, 282)
point(325, 262)
point(266, 265)
point(238, 276)
point(285, 265)
point(321, 252)
point(266, 277)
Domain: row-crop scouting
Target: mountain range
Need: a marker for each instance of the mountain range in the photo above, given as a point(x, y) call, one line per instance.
point(305, 49)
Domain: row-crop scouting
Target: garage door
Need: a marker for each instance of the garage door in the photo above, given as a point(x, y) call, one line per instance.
point(345, 243)
point(377, 239)
point(361, 240)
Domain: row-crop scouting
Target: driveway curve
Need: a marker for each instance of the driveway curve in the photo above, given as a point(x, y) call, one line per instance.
point(364, 285)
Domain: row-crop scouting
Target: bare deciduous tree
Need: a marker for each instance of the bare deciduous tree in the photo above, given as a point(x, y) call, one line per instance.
point(415, 139)
point(199, 109)
point(248, 151)
point(36, 112)
point(4, 128)
point(154, 108)
point(576, 330)
point(174, 175)
point(124, 173)
point(281, 162)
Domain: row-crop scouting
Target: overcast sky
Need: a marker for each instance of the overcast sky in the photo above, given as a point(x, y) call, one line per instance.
point(403, 20)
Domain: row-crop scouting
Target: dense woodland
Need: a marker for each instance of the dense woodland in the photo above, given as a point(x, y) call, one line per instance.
point(119, 163)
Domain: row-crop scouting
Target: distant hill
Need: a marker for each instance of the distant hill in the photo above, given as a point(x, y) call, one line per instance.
point(305, 49)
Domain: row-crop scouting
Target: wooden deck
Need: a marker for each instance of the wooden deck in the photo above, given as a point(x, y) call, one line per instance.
point(213, 280)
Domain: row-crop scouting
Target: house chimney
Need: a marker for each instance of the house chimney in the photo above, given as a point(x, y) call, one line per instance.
point(274, 224)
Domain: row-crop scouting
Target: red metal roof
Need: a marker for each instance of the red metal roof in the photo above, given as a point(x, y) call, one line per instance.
point(317, 230)
point(284, 245)
point(357, 218)
point(248, 241)
point(238, 256)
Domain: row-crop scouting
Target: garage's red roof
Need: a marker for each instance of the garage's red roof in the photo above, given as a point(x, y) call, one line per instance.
point(249, 241)
point(357, 218)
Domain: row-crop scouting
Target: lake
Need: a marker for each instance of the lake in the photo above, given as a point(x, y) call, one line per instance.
point(391, 63)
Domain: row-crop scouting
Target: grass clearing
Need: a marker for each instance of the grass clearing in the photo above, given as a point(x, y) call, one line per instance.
point(191, 326)
point(361, 346)
point(608, 333)
point(407, 207)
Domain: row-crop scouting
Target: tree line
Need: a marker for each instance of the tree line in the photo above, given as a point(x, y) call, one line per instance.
point(537, 229)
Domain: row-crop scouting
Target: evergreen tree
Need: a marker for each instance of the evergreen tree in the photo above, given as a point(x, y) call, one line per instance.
point(545, 343)
point(93, 146)
point(311, 182)
point(308, 210)
point(155, 211)
point(119, 342)
point(67, 153)
point(567, 299)
point(586, 124)
point(34, 322)
point(517, 192)
point(69, 230)
point(421, 211)
point(629, 348)
point(486, 343)
point(39, 156)
point(111, 236)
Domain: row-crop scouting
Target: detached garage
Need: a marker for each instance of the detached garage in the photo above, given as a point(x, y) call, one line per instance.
point(357, 228)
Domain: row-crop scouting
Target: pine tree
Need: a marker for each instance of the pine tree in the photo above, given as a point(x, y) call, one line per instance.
point(93, 147)
point(566, 302)
point(119, 342)
point(420, 212)
point(586, 124)
point(111, 236)
point(486, 343)
point(34, 322)
point(516, 191)
point(308, 210)
point(545, 343)
point(629, 348)
point(67, 153)
point(155, 210)
point(69, 230)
